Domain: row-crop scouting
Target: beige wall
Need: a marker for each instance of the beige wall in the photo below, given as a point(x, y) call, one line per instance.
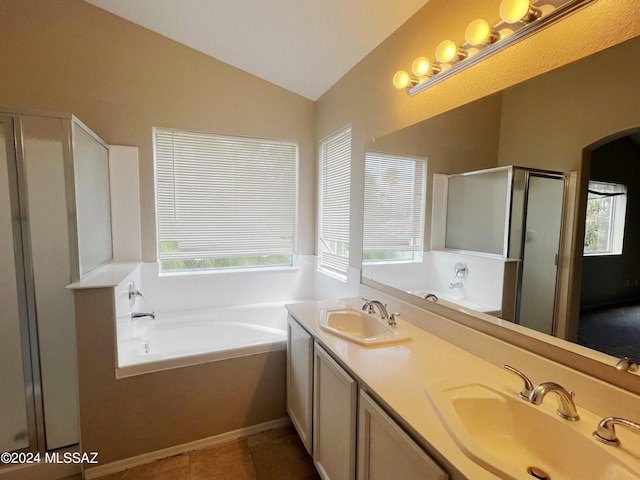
point(592, 100)
point(122, 80)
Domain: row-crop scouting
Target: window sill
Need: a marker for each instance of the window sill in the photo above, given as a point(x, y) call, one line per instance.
point(229, 271)
point(337, 276)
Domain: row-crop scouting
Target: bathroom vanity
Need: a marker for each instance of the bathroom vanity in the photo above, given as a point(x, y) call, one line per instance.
point(428, 408)
point(340, 424)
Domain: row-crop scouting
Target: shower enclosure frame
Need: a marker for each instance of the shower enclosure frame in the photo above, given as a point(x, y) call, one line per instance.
point(517, 243)
point(24, 283)
point(21, 234)
point(513, 236)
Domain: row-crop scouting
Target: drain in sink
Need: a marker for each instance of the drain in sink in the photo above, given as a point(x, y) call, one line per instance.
point(537, 473)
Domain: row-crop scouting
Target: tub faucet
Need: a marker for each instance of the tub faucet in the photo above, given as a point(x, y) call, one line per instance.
point(430, 296)
point(133, 292)
point(453, 285)
point(606, 432)
point(135, 315)
point(566, 407)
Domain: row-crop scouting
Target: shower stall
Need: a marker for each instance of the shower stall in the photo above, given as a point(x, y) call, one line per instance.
point(516, 213)
point(55, 227)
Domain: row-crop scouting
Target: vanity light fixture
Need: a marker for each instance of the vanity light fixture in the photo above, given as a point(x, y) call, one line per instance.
point(403, 80)
point(513, 11)
point(518, 19)
point(480, 33)
point(448, 51)
point(421, 67)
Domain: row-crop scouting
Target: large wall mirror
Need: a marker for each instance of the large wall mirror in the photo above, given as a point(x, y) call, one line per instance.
point(581, 121)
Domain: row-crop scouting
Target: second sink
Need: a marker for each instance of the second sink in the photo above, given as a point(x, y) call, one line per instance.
point(509, 436)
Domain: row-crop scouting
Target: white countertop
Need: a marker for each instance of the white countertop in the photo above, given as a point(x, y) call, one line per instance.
point(399, 375)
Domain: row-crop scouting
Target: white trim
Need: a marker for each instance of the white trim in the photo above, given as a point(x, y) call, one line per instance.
point(145, 458)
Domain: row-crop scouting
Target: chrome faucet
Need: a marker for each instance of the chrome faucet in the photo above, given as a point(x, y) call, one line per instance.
point(430, 296)
point(369, 307)
point(606, 432)
point(527, 386)
point(566, 407)
point(135, 315)
point(133, 292)
point(453, 285)
point(627, 364)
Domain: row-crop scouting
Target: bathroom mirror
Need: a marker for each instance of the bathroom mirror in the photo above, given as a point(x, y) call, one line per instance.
point(558, 121)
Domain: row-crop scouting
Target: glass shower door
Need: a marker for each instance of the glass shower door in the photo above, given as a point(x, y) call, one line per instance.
point(540, 252)
point(17, 430)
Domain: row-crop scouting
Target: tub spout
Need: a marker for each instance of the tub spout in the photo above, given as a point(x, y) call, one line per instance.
point(135, 315)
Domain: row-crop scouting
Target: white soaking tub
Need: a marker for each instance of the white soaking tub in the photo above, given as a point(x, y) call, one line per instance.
point(179, 339)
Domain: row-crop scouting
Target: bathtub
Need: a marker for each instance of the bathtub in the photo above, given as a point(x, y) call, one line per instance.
point(452, 301)
point(178, 339)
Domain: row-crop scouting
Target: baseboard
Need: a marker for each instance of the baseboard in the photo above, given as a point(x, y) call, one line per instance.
point(139, 460)
point(610, 304)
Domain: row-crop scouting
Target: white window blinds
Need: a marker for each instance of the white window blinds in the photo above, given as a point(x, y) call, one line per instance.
point(394, 205)
point(335, 178)
point(224, 201)
point(605, 219)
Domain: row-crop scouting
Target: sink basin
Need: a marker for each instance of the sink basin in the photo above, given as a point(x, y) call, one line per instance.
point(508, 436)
point(360, 327)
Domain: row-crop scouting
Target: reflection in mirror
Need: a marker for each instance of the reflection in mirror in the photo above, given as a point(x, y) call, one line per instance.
point(477, 211)
point(610, 291)
point(556, 122)
point(515, 213)
point(93, 200)
point(394, 208)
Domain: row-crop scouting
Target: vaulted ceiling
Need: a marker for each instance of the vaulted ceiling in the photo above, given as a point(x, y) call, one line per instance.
point(305, 46)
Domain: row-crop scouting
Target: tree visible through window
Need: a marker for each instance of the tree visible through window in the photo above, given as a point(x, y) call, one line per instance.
point(224, 202)
point(604, 224)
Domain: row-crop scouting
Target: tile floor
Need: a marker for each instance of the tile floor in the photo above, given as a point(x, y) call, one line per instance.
point(274, 455)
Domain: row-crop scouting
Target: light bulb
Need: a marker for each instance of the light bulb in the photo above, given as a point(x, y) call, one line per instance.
point(446, 51)
point(513, 11)
point(479, 32)
point(421, 66)
point(401, 79)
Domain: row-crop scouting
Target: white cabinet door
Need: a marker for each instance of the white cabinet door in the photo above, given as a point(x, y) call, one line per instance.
point(334, 419)
point(385, 451)
point(300, 380)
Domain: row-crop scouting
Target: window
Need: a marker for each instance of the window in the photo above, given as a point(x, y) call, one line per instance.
point(224, 202)
point(604, 225)
point(394, 205)
point(333, 228)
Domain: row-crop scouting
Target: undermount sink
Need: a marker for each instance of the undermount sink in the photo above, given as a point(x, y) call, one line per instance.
point(509, 436)
point(360, 327)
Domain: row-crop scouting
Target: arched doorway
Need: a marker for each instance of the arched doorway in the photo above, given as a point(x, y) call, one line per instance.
point(609, 217)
